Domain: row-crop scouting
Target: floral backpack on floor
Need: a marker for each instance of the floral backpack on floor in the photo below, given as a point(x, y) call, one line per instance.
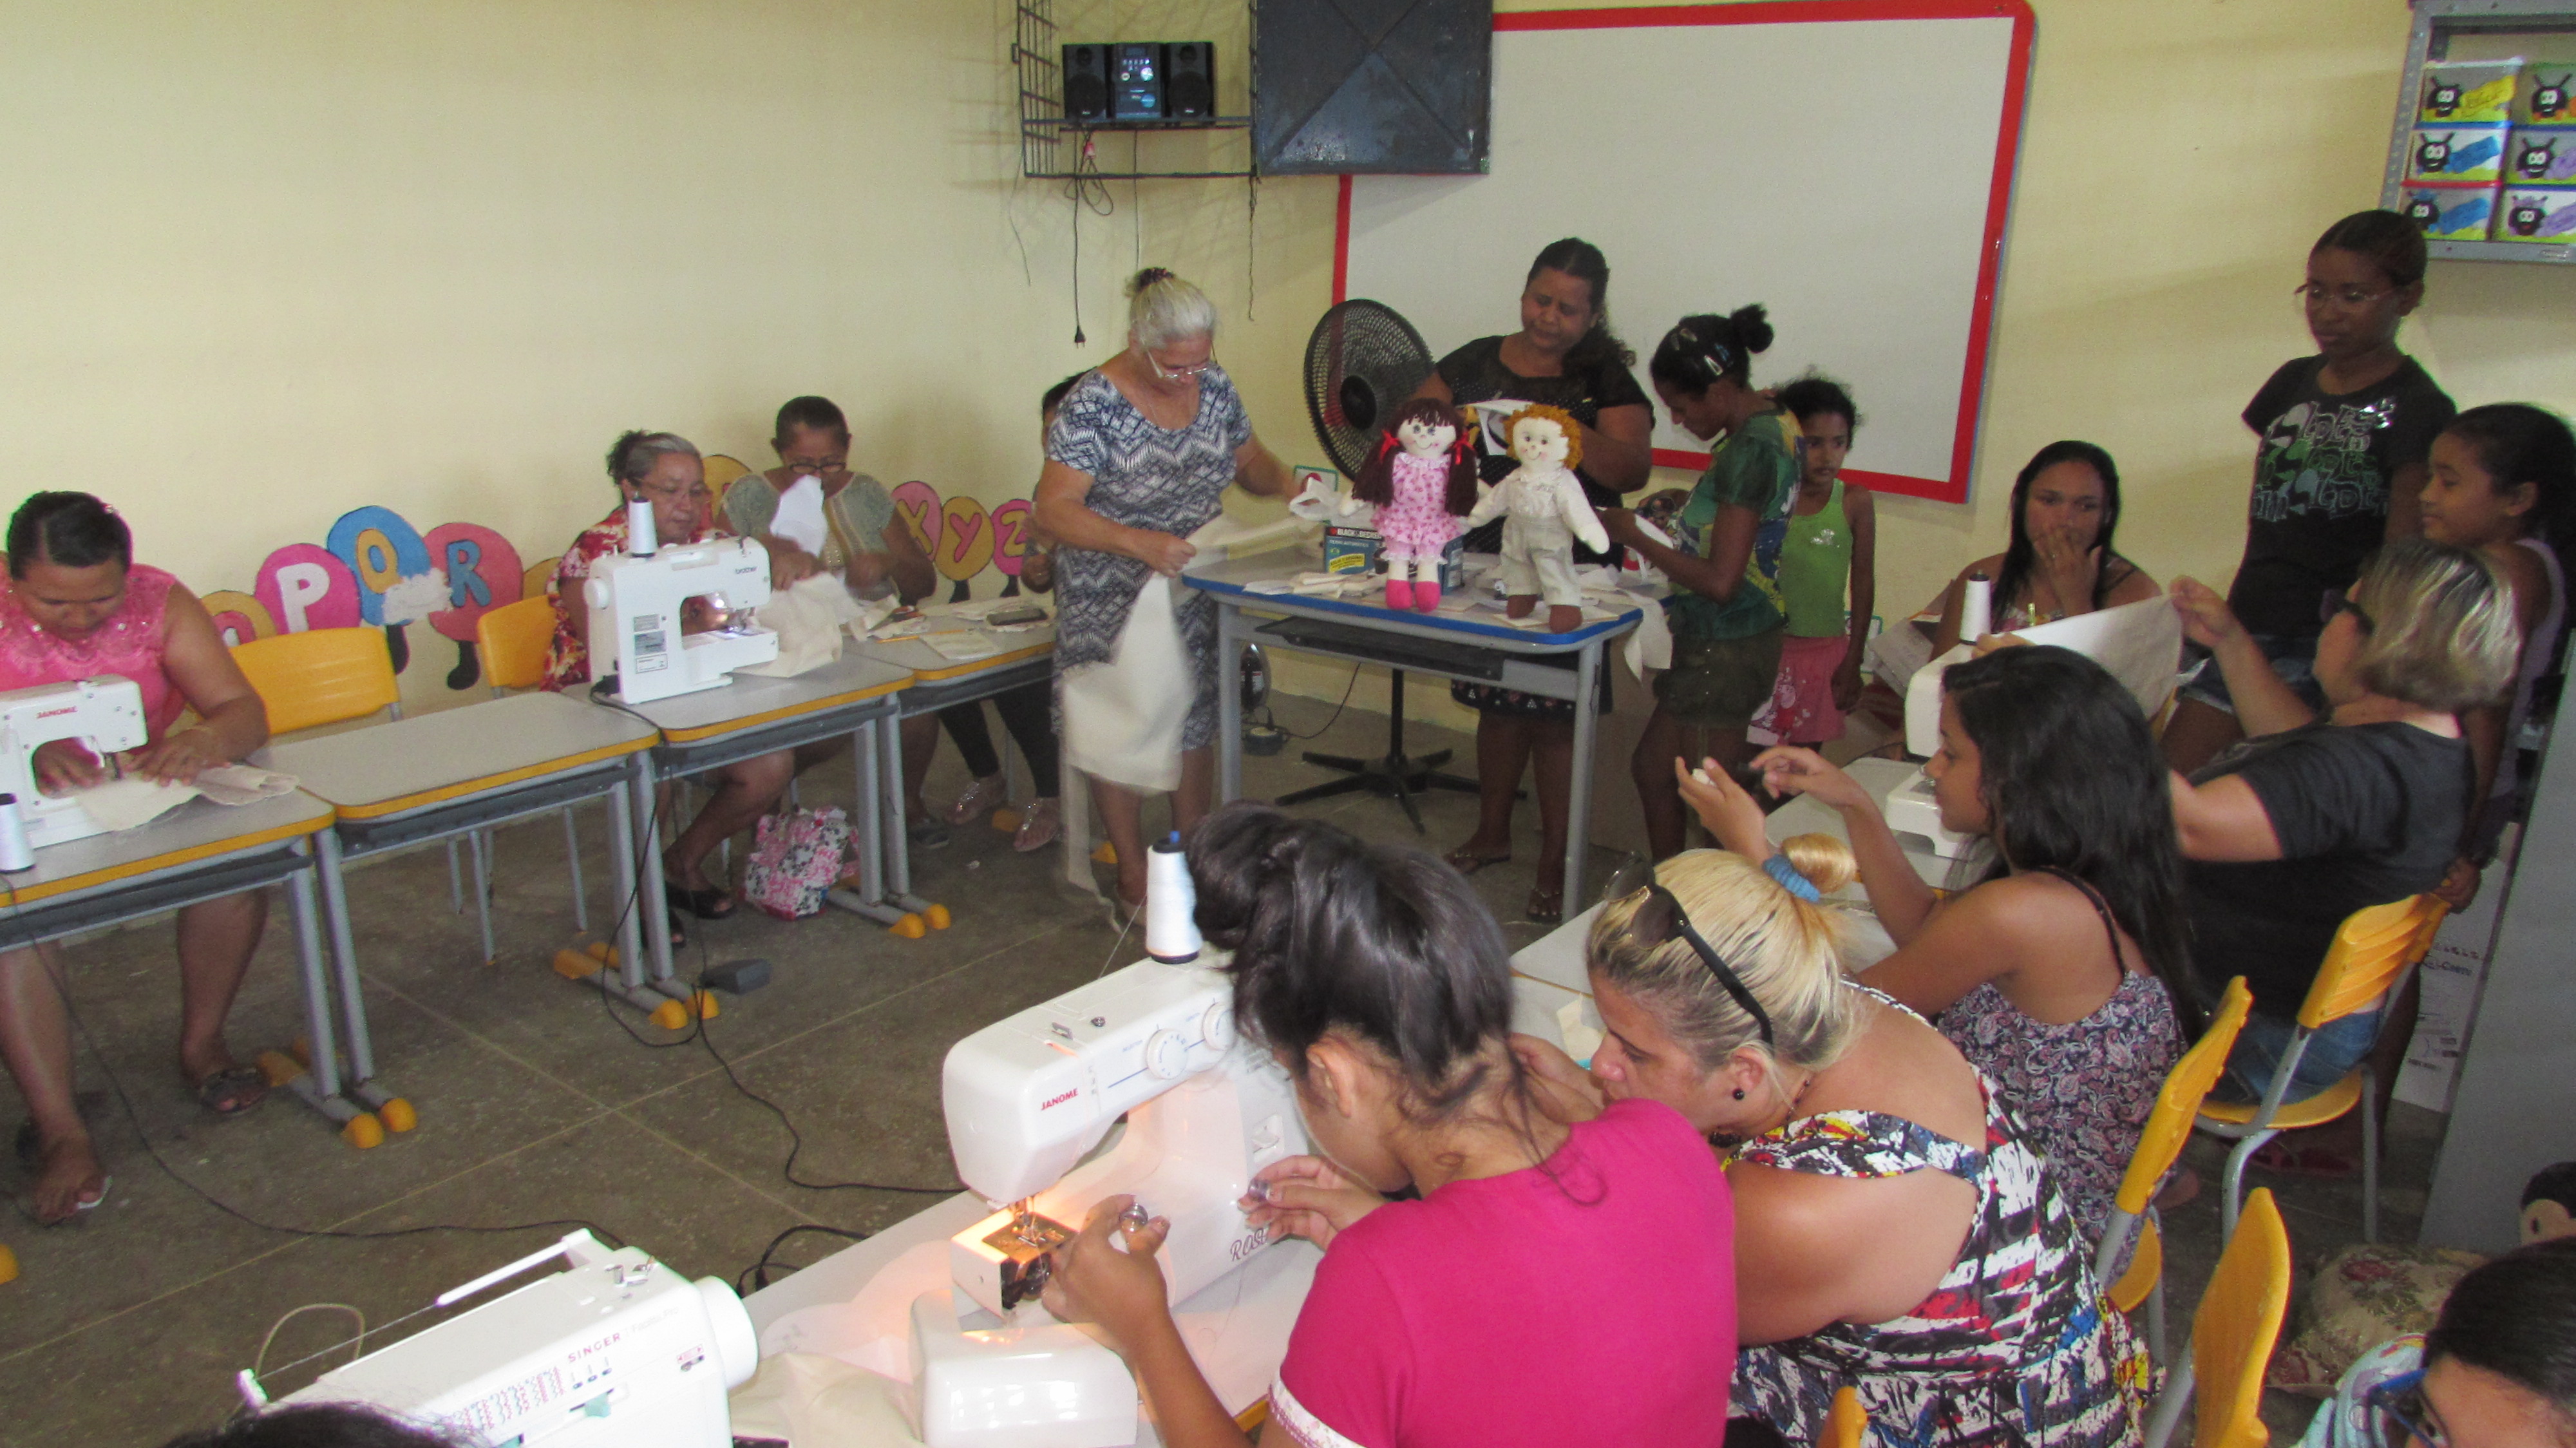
point(796, 858)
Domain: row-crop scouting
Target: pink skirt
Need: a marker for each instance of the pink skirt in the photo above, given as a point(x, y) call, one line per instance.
point(1802, 709)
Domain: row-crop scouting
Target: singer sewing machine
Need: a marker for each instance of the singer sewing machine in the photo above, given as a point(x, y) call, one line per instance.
point(618, 1350)
point(1028, 1100)
point(636, 600)
point(105, 714)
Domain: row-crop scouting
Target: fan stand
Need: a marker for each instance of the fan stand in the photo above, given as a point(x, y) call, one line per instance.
point(1395, 775)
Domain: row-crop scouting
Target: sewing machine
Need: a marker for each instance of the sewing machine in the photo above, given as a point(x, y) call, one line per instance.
point(617, 1350)
point(636, 601)
point(1028, 1100)
point(104, 713)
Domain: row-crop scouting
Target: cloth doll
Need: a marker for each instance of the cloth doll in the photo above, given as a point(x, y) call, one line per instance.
point(1543, 508)
point(1422, 481)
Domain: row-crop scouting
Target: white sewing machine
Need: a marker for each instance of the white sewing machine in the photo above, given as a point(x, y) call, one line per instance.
point(618, 1350)
point(105, 713)
point(1027, 1100)
point(635, 603)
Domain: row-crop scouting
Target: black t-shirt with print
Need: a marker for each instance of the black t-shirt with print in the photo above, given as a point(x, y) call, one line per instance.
point(2321, 485)
point(1475, 373)
point(2365, 813)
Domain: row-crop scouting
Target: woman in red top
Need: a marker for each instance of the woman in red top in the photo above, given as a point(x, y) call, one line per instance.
point(77, 607)
point(1516, 1301)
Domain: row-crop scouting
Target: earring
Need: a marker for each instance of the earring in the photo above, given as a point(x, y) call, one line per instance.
point(1739, 1093)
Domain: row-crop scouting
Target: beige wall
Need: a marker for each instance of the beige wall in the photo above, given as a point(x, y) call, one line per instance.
point(274, 259)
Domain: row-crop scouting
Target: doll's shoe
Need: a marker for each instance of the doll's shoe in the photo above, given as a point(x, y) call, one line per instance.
point(1426, 597)
point(1399, 594)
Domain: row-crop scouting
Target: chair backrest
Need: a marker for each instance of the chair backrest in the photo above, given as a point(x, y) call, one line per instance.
point(2238, 1322)
point(721, 472)
point(1846, 1421)
point(513, 641)
point(2374, 945)
point(321, 676)
point(2178, 1104)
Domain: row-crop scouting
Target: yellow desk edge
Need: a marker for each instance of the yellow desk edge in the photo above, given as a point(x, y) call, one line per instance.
point(30, 894)
point(754, 721)
point(380, 808)
point(933, 676)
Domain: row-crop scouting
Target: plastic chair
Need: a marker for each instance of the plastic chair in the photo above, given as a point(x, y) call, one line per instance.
point(321, 676)
point(720, 475)
point(514, 641)
point(1846, 1422)
point(2372, 950)
point(2232, 1336)
point(2133, 1211)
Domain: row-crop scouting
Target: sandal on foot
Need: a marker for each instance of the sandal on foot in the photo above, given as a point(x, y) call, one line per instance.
point(679, 932)
point(711, 903)
point(1546, 905)
point(1039, 827)
point(232, 1090)
point(1467, 863)
point(89, 1199)
point(981, 798)
point(2283, 1157)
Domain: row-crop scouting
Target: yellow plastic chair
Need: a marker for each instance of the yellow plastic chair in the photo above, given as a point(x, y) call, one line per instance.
point(514, 642)
point(2133, 1212)
point(2232, 1336)
point(721, 472)
point(2372, 951)
point(1846, 1422)
point(321, 676)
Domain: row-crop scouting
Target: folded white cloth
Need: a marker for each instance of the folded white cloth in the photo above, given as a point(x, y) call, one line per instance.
point(1123, 719)
point(800, 516)
point(807, 618)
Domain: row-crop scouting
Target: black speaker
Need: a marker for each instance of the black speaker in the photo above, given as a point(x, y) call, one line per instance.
point(1136, 82)
point(1189, 80)
point(1372, 86)
point(1086, 82)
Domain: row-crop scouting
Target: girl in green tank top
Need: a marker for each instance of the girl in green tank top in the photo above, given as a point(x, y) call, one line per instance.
point(1831, 543)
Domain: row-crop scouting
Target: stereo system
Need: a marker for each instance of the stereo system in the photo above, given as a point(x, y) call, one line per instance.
point(1140, 81)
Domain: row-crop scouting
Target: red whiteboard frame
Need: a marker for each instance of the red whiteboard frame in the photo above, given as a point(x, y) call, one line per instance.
point(1972, 383)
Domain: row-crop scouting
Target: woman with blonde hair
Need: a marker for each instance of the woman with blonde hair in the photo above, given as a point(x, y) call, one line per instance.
point(1894, 1232)
point(2314, 817)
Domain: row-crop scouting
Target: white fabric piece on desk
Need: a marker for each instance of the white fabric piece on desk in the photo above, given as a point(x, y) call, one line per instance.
point(961, 645)
point(1225, 537)
point(1650, 643)
point(807, 618)
point(124, 804)
point(799, 519)
point(807, 1399)
point(1123, 719)
point(240, 784)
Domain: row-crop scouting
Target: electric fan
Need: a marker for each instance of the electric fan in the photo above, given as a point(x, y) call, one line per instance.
point(1361, 364)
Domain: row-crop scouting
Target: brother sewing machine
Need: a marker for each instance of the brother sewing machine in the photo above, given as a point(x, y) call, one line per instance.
point(105, 714)
point(1028, 1099)
point(618, 1350)
point(636, 599)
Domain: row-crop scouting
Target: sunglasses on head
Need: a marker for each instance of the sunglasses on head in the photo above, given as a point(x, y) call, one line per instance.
point(1659, 917)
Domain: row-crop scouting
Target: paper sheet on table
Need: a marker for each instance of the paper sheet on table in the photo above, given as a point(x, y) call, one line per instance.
point(2140, 644)
point(1123, 719)
point(807, 618)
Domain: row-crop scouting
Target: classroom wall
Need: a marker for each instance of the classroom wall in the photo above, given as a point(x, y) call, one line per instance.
point(272, 260)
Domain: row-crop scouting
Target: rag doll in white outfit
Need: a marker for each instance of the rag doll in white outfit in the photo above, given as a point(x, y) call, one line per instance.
point(1422, 481)
point(1543, 509)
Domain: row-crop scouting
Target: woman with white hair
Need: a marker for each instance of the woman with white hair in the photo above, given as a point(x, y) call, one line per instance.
point(1138, 459)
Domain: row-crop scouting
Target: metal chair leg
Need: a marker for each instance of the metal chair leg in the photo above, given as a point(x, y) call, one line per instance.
point(2369, 1155)
point(2232, 1197)
point(455, 879)
point(572, 861)
point(2169, 1406)
point(479, 845)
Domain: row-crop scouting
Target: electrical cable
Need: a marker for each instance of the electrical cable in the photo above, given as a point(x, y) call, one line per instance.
point(1327, 725)
point(357, 1345)
point(756, 1276)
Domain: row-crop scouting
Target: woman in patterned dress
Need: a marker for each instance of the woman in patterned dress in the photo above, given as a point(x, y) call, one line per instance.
point(1139, 459)
point(1895, 1233)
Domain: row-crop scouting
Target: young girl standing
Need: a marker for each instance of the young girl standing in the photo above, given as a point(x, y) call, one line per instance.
point(2345, 436)
point(2504, 483)
point(1832, 539)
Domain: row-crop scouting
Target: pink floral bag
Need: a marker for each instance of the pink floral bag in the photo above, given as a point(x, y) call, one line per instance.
point(795, 859)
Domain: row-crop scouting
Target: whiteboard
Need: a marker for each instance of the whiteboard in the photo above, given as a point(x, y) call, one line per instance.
point(1846, 163)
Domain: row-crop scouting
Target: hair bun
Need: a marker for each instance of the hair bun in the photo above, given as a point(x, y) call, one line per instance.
point(1752, 327)
point(1147, 278)
point(1825, 860)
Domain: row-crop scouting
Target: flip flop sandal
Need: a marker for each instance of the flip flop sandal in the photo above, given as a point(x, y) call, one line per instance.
point(710, 903)
point(1546, 905)
point(980, 799)
point(25, 1203)
point(1467, 864)
point(679, 932)
point(232, 1091)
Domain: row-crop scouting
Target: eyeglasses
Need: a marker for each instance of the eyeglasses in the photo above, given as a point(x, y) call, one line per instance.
point(1659, 917)
point(2399, 1403)
point(674, 494)
point(2359, 614)
point(1175, 374)
point(2307, 295)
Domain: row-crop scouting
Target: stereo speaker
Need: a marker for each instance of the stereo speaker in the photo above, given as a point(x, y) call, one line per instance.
point(1189, 80)
point(1086, 82)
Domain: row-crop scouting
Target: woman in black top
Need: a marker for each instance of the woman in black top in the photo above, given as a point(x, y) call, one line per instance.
point(1564, 355)
point(2345, 440)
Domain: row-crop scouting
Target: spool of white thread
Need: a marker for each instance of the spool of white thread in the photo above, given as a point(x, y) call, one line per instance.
point(14, 853)
point(640, 540)
point(1976, 608)
point(1171, 904)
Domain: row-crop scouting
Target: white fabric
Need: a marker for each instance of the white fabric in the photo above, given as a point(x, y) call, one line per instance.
point(1123, 719)
point(1650, 643)
point(123, 804)
point(2140, 644)
point(800, 516)
point(807, 618)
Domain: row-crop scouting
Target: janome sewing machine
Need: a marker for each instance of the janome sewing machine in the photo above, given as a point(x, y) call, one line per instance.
point(637, 599)
point(1028, 1099)
point(105, 714)
point(618, 1351)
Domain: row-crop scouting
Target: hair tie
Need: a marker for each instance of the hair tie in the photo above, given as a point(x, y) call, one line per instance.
point(1779, 868)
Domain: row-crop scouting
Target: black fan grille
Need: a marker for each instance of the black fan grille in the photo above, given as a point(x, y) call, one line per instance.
point(1363, 360)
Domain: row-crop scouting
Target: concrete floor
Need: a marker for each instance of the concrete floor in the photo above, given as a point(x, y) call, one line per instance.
point(540, 1104)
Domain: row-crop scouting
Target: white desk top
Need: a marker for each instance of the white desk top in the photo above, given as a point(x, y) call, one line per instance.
point(752, 700)
point(197, 830)
point(1453, 620)
point(411, 763)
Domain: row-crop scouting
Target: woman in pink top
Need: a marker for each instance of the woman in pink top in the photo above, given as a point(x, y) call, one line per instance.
point(77, 606)
point(1567, 1276)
